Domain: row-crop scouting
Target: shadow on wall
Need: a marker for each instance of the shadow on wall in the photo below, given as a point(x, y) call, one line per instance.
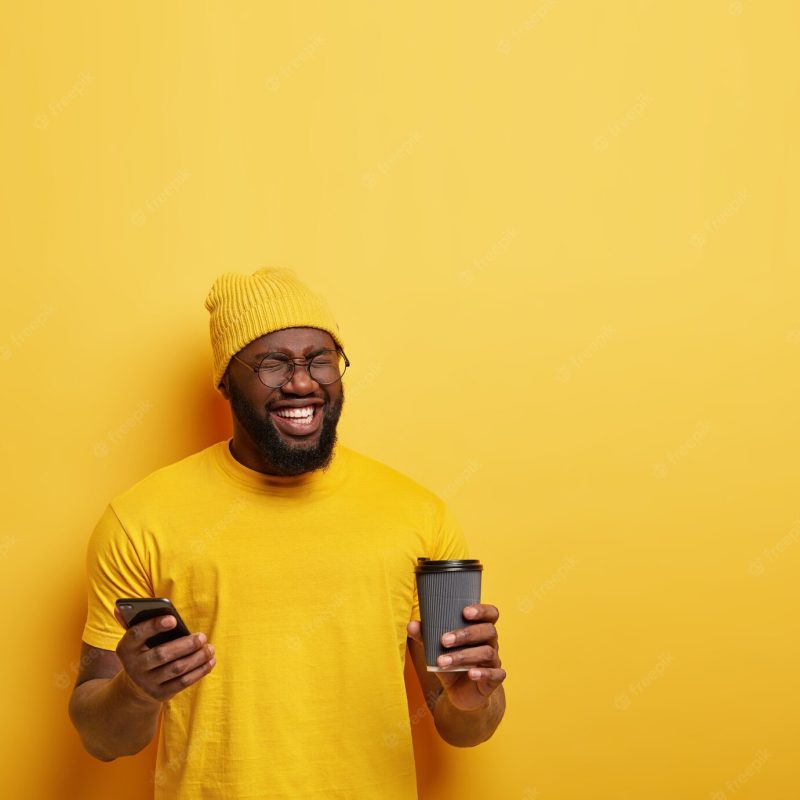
point(71, 771)
point(204, 414)
point(204, 418)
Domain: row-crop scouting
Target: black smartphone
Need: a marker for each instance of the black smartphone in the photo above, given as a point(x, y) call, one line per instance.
point(138, 609)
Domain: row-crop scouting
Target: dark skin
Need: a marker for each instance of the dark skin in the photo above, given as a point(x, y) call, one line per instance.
point(118, 695)
point(260, 399)
point(472, 689)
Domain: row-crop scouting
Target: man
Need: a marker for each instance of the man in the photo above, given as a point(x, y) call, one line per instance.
point(291, 558)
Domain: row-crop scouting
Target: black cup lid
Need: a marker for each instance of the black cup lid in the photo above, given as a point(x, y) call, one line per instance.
point(452, 565)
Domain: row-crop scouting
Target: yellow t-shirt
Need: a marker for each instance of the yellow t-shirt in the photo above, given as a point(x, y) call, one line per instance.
point(304, 585)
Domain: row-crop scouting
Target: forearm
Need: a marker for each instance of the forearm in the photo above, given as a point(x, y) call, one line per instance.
point(468, 728)
point(113, 717)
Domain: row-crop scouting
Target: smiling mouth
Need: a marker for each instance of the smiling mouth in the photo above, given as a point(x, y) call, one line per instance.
point(298, 421)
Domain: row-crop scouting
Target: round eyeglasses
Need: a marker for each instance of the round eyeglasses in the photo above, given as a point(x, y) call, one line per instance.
point(276, 369)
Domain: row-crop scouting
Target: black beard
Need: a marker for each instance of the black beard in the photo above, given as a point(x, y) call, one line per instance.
point(281, 457)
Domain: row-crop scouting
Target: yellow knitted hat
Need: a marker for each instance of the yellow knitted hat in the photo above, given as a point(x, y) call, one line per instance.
point(245, 307)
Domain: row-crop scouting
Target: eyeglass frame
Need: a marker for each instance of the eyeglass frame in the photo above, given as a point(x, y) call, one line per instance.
point(295, 362)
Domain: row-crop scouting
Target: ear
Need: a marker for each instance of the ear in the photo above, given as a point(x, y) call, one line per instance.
point(223, 387)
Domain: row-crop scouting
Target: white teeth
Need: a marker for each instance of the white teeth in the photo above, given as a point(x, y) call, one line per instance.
point(296, 413)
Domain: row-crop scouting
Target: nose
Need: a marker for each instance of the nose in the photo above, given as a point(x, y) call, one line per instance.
point(301, 381)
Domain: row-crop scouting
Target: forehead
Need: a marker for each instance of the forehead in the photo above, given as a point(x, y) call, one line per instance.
point(292, 341)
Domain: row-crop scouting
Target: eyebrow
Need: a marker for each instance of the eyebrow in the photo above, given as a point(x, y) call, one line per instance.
point(286, 352)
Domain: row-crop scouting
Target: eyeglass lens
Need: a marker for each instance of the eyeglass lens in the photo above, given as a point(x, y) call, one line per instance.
point(324, 368)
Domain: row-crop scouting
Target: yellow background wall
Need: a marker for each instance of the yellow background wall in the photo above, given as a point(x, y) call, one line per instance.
point(562, 241)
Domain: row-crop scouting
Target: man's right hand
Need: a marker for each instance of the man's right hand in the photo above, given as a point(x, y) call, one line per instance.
point(158, 673)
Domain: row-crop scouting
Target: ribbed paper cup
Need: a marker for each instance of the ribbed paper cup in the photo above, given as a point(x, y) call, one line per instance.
point(444, 589)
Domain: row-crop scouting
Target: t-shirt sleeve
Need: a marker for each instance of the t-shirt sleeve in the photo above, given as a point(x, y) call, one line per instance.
point(114, 569)
point(449, 542)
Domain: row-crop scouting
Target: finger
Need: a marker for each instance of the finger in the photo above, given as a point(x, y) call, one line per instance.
point(137, 635)
point(120, 618)
point(414, 630)
point(480, 632)
point(169, 651)
point(493, 677)
point(181, 666)
point(481, 611)
point(485, 655)
point(188, 678)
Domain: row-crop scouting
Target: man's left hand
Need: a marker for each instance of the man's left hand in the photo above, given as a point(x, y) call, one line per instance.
point(471, 689)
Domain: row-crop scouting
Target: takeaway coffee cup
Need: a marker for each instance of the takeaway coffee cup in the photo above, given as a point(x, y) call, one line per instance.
point(444, 588)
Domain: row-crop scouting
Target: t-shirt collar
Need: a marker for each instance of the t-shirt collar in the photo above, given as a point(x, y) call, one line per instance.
point(306, 483)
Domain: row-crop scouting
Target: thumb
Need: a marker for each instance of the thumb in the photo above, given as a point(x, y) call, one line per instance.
point(414, 630)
